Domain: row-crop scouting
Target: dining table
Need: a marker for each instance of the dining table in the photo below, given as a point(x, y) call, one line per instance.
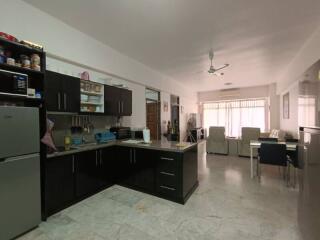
point(255, 144)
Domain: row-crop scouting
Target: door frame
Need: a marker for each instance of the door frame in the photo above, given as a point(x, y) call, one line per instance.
point(159, 109)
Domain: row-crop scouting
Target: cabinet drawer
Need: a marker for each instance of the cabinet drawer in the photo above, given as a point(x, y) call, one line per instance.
point(167, 191)
point(168, 162)
point(167, 179)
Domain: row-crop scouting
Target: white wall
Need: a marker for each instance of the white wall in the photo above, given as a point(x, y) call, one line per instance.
point(306, 56)
point(290, 125)
point(288, 82)
point(80, 51)
point(242, 93)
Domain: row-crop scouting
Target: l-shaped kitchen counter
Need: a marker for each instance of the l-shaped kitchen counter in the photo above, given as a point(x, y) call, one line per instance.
point(154, 145)
point(160, 168)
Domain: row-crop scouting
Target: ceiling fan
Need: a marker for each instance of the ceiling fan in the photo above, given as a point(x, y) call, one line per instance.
point(212, 69)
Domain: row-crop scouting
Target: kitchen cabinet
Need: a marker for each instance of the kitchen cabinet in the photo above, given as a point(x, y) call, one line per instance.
point(145, 162)
point(126, 102)
point(87, 172)
point(167, 174)
point(59, 183)
point(125, 168)
point(118, 101)
point(62, 92)
point(136, 168)
point(107, 159)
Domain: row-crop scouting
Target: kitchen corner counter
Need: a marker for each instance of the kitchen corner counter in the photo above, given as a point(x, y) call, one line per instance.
point(160, 145)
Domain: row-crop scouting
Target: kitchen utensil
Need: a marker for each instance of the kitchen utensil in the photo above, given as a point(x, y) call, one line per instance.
point(73, 125)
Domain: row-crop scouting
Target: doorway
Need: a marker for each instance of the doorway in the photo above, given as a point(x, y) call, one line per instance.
point(153, 113)
point(175, 118)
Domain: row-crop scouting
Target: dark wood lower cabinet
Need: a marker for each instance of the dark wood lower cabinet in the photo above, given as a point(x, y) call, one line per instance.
point(107, 174)
point(59, 183)
point(145, 163)
point(71, 178)
point(87, 173)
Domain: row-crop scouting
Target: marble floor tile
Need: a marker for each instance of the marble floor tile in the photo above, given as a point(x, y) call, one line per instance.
point(228, 204)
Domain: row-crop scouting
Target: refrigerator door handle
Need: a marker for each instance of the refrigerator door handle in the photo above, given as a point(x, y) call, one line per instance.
point(18, 158)
point(59, 101)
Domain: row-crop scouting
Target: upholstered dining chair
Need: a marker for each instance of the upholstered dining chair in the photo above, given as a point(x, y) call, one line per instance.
point(273, 154)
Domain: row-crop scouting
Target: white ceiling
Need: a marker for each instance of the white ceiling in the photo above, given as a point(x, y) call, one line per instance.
point(257, 38)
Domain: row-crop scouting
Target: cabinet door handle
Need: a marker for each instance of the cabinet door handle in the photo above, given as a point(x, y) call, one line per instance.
point(167, 159)
point(169, 174)
point(168, 188)
point(96, 157)
point(72, 163)
point(122, 106)
point(65, 101)
point(59, 100)
point(130, 155)
point(119, 107)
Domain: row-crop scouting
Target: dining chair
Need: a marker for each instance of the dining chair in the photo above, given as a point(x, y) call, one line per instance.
point(267, 139)
point(293, 160)
point(273, 154)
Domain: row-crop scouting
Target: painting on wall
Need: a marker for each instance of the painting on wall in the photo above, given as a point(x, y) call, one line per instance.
point(165, 106)
point(286, 106)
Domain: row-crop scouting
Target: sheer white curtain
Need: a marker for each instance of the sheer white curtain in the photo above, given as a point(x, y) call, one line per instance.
point(233, 115)
point(307, 111)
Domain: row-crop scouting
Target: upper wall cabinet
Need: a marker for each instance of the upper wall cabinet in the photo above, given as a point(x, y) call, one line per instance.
point(117, 101)
point(62, 92)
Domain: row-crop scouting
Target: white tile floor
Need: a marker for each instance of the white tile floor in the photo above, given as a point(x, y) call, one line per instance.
point(227, 205)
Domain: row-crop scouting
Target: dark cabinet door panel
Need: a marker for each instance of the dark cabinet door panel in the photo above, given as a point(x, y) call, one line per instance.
point(62, 92)
point(71, 94)
point(126, 102)
point(125, 166)
point(87, 173)
point(53, 94)
point(112, 96)
point(59, 183)
point(107, 166)
point(117, 101)
point(144, 161)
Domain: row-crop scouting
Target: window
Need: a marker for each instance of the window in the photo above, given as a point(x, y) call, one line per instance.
point(307, 111)
point(233, 115)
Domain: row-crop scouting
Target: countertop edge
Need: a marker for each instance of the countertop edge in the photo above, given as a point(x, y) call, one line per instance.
point(117, 143)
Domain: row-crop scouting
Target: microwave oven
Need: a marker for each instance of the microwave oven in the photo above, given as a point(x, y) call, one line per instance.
point(13, 83)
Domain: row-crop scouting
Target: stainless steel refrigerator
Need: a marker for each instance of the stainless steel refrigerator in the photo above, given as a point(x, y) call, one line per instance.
point(20, 203)
point(309, 153)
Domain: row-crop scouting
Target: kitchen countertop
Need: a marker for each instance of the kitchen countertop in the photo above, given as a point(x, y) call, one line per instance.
point(161, 145)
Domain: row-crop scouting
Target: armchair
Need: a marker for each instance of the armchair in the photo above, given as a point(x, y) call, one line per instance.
point(216, 142)
point(247, 135)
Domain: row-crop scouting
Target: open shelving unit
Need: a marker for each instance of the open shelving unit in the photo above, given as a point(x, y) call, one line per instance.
point(92, 97)
point(35, 78)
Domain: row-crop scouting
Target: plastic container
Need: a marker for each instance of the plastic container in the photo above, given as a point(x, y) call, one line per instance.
point(146, 135)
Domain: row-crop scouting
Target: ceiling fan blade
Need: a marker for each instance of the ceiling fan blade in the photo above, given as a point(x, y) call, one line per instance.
point(225, 65)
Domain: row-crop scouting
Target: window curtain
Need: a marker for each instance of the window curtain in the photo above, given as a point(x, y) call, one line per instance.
point(307, 110)
point(233, 115)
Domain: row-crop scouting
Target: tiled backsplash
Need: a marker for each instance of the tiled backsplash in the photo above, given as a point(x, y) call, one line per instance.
point(62, 125)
